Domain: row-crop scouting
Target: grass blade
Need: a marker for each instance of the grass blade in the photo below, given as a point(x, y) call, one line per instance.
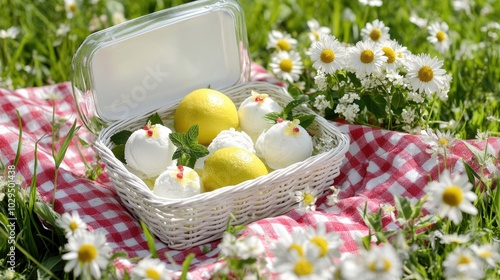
point(150, 239)
point(20, 142)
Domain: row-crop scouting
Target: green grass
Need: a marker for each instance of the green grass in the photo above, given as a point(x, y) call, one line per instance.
point(39, 55)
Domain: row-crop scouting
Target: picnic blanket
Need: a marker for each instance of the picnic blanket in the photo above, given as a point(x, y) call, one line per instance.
point(379, 164)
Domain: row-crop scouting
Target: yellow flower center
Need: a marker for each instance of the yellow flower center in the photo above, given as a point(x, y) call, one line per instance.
point(453, 195)
point(391, 55)
point(443, 142)
point(464, 260)
point(327, 56)
point(375, 34)
point(485, 254)
point(87, 253)
point(283, 45)
point(297, 248)
point(367, 56)
point(316, 35)
point(73, 225)
point(152, 273)
point(72, 7)
point(322, 245)
point(376, 266)
point(441, 36)
point(308, 198)
point(425, 74)
point(303, 267)
point(286, 65)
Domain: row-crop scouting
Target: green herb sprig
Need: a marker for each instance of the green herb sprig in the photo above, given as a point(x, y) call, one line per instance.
point(287, 112)
point(188, 148)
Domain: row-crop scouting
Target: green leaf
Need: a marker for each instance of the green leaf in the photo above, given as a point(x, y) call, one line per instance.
point(403, 207)
point(120, 137)
point(150, 240)
point(59, 157)
point(185, 266)
point(20, 140)
point(155, 119)
point(188, 149)
point(305, 120)
point(294, 91)
point(398, 100)
point(55, 264)
point(119, 152)
point(301, 99)
point(272, 117)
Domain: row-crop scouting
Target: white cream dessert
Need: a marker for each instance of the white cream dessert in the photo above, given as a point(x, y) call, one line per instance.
point(225, 139)
point(177, 182)
point(148, 151)
point(283, 144)
point(251, 113)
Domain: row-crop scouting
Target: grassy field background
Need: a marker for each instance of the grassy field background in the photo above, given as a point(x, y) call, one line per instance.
point(41, 52)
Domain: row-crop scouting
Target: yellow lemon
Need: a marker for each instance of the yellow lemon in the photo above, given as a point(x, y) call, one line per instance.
point(210, 109)
point(230, 166)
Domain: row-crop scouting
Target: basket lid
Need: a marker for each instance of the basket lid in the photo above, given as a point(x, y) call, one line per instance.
point(152, 61)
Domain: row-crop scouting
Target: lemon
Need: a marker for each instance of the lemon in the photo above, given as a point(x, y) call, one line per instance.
point(210, 109)
point(231, 166)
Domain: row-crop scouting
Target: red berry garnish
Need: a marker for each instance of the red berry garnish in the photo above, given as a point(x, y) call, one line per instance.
point(296, 129)
point(145, 127)
point(259, 99)
point(279, 120)
point(180, 175)
point(150, 133)
point(180, 167)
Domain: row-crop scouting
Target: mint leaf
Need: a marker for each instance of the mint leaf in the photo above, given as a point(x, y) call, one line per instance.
point(119, 152)
point(287, 113)
point(188, 148)
point(121, 137)
point(155, 119)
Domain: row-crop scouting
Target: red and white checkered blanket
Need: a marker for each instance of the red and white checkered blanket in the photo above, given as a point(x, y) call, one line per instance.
point(379, 164)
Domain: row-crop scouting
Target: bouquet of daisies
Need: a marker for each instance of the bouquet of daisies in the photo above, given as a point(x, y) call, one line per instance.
point(375, 82)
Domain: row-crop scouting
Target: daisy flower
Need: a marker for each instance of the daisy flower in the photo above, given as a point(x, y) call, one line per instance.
point(418, 21)
point(333, 198)
point(462, 264)
point(150, 269)
point(395, 54)
point(425, 74)
point(366, 57)
point(280, 41)
point(375, 31)
point(450, 196)
point(328, 54)
point(287, 65)
point(380, 263)
point(11, 33)
point(306, 265)
point(71, 7)
point(439, 142)
point(87, 253)
point(454, 238)
point(71, 223)
point(488, 253)
point(438, 36)
point(316, 31)
point(327, 244)
point(372, 3)
point(306, 200)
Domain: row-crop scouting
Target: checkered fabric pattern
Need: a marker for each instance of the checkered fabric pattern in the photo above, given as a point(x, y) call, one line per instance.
point(378, 165)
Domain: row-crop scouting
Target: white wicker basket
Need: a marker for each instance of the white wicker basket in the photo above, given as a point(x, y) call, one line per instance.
point(185, 223)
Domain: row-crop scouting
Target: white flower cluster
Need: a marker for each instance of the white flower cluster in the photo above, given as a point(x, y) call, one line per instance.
point(376, 76)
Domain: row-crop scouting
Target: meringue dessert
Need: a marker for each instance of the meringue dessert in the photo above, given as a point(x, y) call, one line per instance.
point(225, 139)
point(251, 113)
point(148, 151)
point(285, 143)
point(177, 182)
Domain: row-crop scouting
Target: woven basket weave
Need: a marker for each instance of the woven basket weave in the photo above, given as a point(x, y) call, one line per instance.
point(185, 223)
